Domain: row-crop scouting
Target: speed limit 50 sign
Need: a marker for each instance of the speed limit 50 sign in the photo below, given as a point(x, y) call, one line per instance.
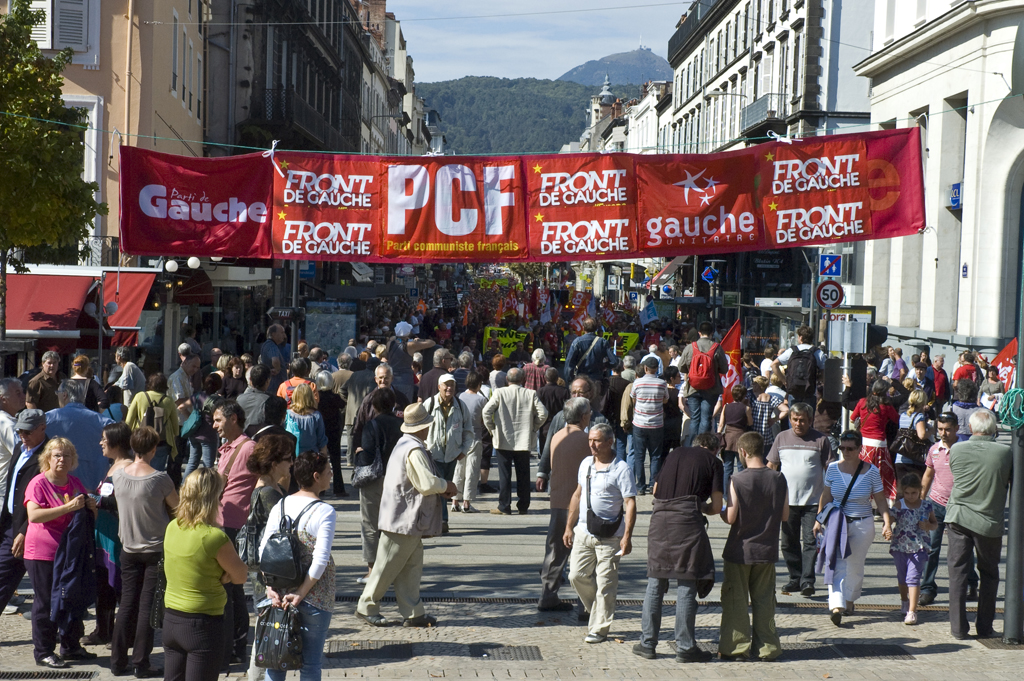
point(829, 294)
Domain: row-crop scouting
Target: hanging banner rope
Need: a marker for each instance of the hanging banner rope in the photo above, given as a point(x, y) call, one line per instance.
point(556, 207)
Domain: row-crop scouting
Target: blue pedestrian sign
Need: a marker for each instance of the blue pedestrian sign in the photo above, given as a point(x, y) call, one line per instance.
point(830, 265)
point(709, 274)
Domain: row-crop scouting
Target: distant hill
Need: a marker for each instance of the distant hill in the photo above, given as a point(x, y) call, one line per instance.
point(485, 115)
point(637, 66)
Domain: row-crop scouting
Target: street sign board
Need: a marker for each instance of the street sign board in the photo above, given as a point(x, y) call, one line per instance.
point(709, 274)
point(830, 265)
point(307, 269)
point(634, 297)
point(730, 299)
point(795, 303)
point(829, 294)
point(414, 293)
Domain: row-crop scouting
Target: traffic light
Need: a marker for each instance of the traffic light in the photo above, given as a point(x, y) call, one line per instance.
point(877, 335)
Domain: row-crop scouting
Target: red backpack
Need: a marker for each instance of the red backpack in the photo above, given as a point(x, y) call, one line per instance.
point(702, 368)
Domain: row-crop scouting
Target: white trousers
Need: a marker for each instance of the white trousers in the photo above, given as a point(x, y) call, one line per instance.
point(849, 573)
point(467, 473)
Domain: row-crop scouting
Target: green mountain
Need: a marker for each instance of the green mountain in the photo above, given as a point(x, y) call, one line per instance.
point(638, 66)
point(486, 115)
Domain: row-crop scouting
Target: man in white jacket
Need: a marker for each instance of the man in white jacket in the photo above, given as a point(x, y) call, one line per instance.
point(512, 417)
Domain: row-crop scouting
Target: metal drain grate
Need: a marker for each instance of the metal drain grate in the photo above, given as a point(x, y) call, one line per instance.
point(999, 644)
point(505, 653)
point(377, 650)
point(636, 603)
point(808, 652)
point(875, 651)
point(45, 676)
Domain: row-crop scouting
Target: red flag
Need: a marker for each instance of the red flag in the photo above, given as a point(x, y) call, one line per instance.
point(465, 313)
point(1006, 362)
point(731, 346)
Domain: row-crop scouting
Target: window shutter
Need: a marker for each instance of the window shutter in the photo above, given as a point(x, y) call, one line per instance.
point(41, 33)
point(70, 24)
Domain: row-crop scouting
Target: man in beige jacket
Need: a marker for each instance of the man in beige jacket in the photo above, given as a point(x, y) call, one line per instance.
point(512, 417)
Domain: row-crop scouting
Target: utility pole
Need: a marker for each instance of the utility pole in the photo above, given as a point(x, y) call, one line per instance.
point(1013, 601)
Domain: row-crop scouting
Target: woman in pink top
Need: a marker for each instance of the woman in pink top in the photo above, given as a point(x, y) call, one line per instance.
point(51, 498)
point(874, 414)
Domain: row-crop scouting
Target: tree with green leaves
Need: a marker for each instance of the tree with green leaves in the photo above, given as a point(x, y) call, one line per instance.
point(44, 202)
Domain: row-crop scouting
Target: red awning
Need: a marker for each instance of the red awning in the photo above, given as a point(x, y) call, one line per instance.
point(41, 302)
point(130, 291)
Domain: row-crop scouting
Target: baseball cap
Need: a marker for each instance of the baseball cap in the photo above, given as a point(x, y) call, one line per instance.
point(30, 419)
point(651, 362)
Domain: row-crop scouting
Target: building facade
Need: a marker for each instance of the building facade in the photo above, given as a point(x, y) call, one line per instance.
point(947, 68)
point(142, 77)
point(743, 68)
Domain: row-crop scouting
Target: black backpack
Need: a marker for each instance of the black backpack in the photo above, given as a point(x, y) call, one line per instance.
point(802, 372)
point(154, 417)
point(281, 560)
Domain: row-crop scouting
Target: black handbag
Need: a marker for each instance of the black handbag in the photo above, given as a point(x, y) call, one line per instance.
point(247, 543)
point(156, 615)
point(596, 525)
point(281, 561)
point(278, 642)
point(908, 445)
point(364, 475)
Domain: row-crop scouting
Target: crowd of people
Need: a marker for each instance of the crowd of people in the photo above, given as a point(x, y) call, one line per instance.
point(200, 468)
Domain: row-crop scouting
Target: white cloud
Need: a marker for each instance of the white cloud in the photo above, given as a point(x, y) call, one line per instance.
point(530, 44)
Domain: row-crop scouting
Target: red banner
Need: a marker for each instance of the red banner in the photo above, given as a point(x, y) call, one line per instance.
point(1006, 362)
point(581, 208)
point(563, 207)
point(731, 347)
point(453, 209)
point(174, 205)
point(326, 207)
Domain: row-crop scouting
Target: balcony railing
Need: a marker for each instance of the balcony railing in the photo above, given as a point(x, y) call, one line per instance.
point(694, 18)
point(772, 106)
point(103, 251)
point(281, 105)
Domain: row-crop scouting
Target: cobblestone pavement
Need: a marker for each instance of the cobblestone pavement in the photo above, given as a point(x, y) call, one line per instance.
point(481, 581)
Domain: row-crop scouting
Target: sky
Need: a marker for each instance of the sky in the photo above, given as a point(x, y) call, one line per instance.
point(530, 41)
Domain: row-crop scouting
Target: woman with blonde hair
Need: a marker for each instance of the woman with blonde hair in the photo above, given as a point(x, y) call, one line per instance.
point(51, 499)
point(305, 422)
point(204, 560)
point(95, 397)
point(915, 418)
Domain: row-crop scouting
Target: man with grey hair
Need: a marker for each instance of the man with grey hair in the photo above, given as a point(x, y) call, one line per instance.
point(383, 378)
point(12, 400)
point(981, 470)
point(512, 417)
point(604, 502)
point(535, 371)
point(568, 449)
point(801, 454)
point(428, 383)
point(652, 352)
point(131, 380)
point(465, 362)
point(42, 388)
point(582, 386)
point(83, 427)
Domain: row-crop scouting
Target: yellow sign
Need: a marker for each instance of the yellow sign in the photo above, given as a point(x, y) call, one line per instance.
point(509, 337)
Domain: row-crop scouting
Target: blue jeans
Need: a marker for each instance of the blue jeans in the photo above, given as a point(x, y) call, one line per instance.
point(163, 454)
point(931, 569)
point(198, 451)
point(646, 440)
point(686, 613)
point(731, 465)
point(623, 443)
point(315, 623)
point(700, 416)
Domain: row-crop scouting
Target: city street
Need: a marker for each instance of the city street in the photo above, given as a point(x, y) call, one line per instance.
point(481, 583)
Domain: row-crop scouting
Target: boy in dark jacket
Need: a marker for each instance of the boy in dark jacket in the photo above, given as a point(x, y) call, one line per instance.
point(758, 505)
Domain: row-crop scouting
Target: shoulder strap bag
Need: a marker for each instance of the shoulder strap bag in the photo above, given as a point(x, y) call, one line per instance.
point(586, 354)
point(364, 475)
point(856, 474)
point(596, 525)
